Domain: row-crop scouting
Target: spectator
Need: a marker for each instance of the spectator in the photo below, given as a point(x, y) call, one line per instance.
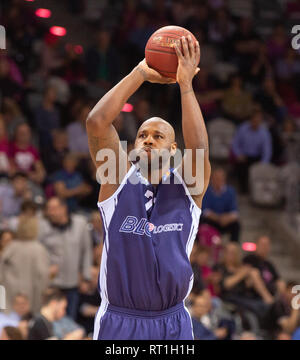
point(47, 118)
point(252, 143)
point(89, 301)
point(200, 308)
point(278, 43)
point(4, 150)
point(67, 239)
point(259, 260)
point(24, 263)
point(288, 68)
point(237, 102)
point(20, 309)
point(12, 116)
point(241, 284)
point(209, 277)
point(221, 28)
point(24, 156)
point(11, 333)
point(245, 44)
point(270, 100)
point(261, 66)
point(53, 309)
point(53, 160)
point(77, 136)
point(13, 194)
point(220, 206)
point(69, 184)
point(211, 322)
point(102, 61)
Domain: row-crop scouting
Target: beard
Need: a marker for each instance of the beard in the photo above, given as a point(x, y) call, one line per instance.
point(150, 162)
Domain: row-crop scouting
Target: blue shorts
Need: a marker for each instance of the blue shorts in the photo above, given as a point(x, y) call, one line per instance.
point(126, 324)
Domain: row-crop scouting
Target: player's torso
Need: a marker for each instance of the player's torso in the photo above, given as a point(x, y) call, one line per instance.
point(149, 235)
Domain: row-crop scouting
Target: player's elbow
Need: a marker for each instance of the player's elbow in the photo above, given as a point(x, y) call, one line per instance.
point(94, 121)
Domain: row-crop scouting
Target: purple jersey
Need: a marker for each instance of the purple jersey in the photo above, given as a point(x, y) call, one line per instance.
point(149, 235)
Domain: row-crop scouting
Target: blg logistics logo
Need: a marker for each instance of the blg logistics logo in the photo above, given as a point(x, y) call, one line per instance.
point(2, 37)
point(2, 298)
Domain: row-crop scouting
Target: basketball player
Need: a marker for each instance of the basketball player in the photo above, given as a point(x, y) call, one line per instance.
point(145, 271)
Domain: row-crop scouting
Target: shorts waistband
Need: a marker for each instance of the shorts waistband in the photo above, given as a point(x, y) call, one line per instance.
point(145, 313)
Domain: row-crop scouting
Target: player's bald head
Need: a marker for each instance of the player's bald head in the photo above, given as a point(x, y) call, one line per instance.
point(160, 125)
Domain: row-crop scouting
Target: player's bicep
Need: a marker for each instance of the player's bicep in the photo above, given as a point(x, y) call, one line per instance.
point(107, 153)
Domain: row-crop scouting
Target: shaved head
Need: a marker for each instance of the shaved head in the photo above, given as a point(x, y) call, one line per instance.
point(161, 125)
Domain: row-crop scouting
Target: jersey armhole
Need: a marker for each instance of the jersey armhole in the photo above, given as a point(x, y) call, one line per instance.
point(124, 181)
point(176, 173)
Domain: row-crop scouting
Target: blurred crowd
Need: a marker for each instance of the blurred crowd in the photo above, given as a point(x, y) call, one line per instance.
point(50, 230)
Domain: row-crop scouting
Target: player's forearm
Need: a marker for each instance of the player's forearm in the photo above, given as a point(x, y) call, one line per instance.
point(111, 104)
point(193, 126)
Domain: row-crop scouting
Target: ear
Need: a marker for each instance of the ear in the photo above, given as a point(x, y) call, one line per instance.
point(173, 148)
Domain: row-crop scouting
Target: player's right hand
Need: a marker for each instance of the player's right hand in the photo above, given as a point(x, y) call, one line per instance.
point(152, 75)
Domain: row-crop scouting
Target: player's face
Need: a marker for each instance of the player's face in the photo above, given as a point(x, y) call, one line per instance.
point(154, 141)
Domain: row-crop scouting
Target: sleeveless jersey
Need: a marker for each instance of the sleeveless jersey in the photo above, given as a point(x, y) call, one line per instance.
point(148, 237)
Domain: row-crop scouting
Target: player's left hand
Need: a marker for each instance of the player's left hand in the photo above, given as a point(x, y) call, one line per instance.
point(188, 60)
point(153, 76)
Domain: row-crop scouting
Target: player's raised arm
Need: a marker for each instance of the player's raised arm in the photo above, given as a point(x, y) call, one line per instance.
point(193, 126)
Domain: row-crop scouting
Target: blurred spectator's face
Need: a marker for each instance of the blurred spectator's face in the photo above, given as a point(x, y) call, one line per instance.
point(202, 257)
point(232, 254)
point(60, 141)
point(70, 164)
point(263, 247)
point(23, 134)
point(20, 184)
point(256, 121)
point(103, 39)
point(21, 305)
point(201, 306)
point(56, 211)
point(60, 309)
point(51, 95)
point(218, 179)
point(6, 239)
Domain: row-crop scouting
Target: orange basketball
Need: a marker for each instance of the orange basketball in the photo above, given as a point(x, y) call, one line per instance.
point(160, 53)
